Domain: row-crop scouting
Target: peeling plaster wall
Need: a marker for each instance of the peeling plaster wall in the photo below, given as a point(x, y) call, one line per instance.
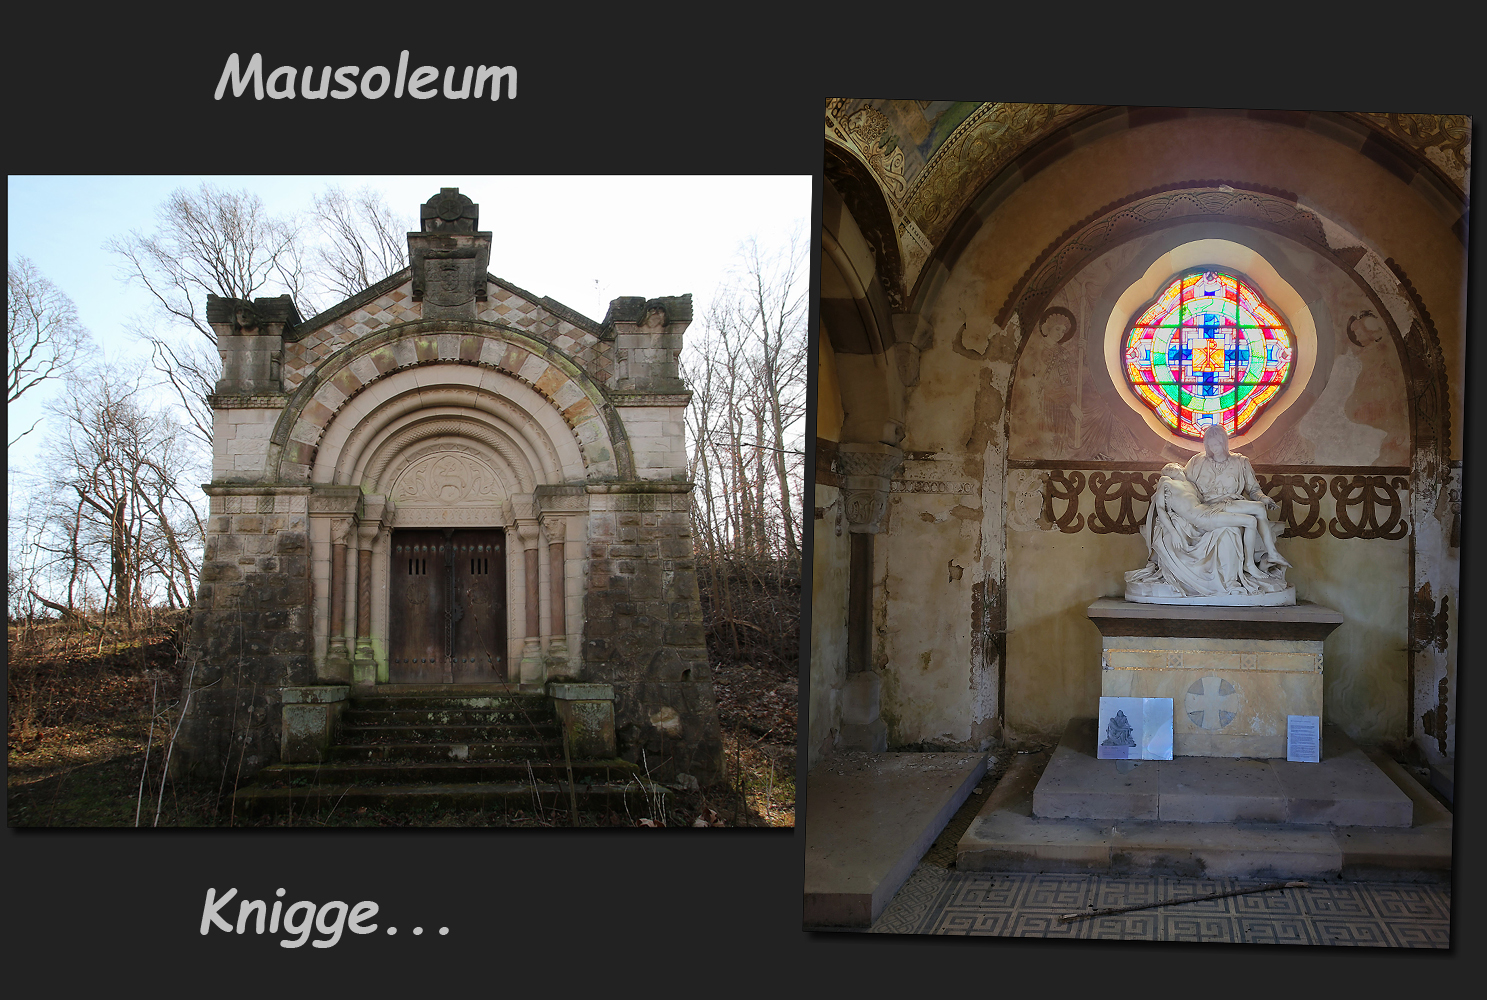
point(940, 657)
point(1354, 414)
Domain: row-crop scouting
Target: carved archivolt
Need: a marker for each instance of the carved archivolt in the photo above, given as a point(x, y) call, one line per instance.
point(394, 447)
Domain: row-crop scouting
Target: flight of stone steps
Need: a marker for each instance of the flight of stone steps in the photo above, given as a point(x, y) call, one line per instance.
point(427, 748)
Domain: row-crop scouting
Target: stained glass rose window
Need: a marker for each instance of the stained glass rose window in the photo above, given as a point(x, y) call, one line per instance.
point(1208, 350)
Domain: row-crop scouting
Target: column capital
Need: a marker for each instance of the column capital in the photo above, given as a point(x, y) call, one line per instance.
point(867, 471)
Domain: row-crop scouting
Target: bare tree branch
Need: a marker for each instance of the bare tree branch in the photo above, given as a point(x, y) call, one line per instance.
point(44, 336)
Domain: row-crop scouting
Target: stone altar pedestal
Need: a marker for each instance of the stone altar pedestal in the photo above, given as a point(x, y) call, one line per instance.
point(1233, 673)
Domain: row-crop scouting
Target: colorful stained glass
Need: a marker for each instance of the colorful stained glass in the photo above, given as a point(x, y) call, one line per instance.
point(1208, 349)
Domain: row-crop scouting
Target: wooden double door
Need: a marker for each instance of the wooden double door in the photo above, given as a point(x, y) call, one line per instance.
point(447, 614)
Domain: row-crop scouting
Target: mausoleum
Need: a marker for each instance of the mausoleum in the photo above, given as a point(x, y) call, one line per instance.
point(446, 480)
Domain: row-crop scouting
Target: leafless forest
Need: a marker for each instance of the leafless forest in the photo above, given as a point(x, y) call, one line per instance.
point(105, 534)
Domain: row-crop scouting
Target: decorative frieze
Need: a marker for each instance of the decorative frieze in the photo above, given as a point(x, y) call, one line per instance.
point(1367, 503)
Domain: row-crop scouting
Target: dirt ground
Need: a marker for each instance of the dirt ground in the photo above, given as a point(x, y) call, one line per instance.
point(81, 750)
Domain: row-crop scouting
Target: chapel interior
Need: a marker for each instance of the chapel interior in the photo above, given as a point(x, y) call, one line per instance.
point(985, 452)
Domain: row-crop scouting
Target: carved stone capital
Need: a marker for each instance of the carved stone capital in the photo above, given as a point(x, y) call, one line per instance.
point(526, 531)
point(555, 528)
point(878, 460)
point(340, 527)
point(867, 473)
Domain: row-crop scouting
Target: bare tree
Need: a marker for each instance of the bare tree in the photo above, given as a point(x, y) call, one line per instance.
point(215, 242)
point(772, 308)
point(206, 242)
point(119, 511)
point(46, 339)
point(746, 368)
point(364, 240)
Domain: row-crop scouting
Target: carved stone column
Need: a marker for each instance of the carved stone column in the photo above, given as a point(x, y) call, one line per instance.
point(376, 517)
point(867, 471)
point(366, 661)
point(555, 528)
point(338, 657)
point(531, 650)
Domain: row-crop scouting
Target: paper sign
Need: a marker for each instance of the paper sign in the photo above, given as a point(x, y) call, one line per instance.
point(1304, 738)
point(1135, 729)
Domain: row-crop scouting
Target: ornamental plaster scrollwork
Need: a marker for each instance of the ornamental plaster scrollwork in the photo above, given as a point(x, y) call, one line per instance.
point(1445, 140)
point(981, 145)
point(1365, 506)
point(867, 127)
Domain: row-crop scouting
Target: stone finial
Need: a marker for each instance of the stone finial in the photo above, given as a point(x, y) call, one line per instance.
point(449, 257)
point(449, 212)
point(647, 335)
point(250, 341)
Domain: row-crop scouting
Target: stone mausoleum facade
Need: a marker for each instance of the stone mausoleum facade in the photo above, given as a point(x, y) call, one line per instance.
point(447, 480)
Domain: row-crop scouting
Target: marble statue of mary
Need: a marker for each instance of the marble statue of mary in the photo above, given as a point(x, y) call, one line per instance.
point(1208, 536)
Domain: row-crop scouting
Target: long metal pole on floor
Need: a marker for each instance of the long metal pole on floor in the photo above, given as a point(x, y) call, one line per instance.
point(1067, 917)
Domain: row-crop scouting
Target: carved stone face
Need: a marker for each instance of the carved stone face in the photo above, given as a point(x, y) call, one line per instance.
point(1216, 441)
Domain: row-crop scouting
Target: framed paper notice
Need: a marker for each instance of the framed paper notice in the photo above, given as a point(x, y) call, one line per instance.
point(1304, 738)
point(1135, 729)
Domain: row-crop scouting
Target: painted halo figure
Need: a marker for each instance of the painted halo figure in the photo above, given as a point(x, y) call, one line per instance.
point(1208, 537)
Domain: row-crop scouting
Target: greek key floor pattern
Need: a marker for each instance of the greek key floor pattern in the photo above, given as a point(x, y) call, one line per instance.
point(940, 900)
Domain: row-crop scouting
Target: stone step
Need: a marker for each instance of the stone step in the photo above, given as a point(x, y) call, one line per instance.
point(502, 733)
point(869, 819)
point(445, 772)
point(413, 752)
point(1008, 836)
point(536, 704)
point(443, 716)
point(1344, 789)
point(635, 796)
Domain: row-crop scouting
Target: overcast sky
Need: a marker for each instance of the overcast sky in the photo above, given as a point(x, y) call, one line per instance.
point(553, 236)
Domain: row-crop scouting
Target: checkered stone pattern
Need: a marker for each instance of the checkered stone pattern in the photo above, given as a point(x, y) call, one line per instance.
point(936, 900)
point(303, 356)
point(510, 309)
point(397, 306)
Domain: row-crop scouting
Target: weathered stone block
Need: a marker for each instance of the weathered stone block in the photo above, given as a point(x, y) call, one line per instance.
point(309, 719)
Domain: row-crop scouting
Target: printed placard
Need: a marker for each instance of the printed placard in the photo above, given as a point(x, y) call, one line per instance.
point(1304, 738)
point(1134, 729)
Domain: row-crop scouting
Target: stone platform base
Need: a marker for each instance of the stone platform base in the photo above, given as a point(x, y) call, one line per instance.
point(1189, 817)
point(1344, 789)
point(1233, 674)
point(869, 819)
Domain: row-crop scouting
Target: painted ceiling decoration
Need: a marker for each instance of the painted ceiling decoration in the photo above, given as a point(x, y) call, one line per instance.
point(928, 160)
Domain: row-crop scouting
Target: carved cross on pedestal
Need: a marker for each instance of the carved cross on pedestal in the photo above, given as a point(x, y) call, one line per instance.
point(1212, 703)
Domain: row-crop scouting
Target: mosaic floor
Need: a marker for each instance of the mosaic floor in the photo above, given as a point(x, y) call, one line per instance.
point(937, 900)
